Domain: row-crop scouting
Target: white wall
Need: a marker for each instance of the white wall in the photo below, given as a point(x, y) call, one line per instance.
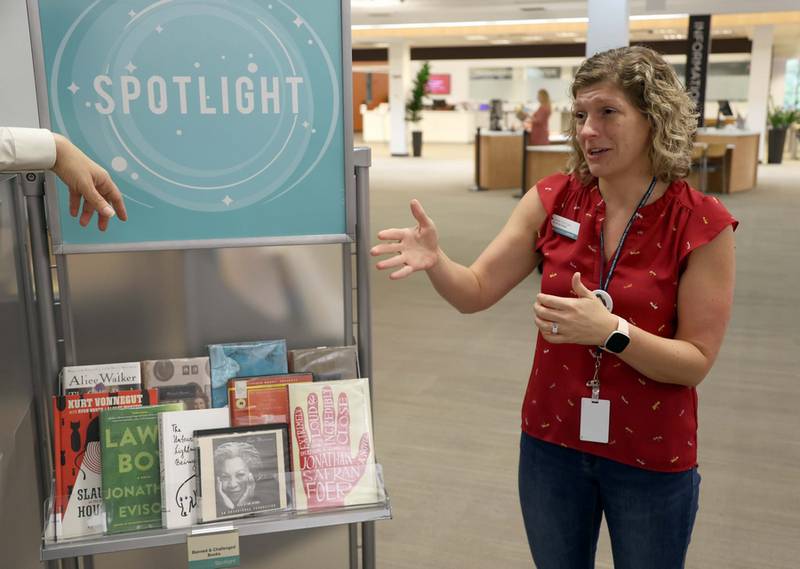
point(17, 91)
point(523, 90)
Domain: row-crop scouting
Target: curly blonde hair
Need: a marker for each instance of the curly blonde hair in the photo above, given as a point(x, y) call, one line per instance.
point(651, 85)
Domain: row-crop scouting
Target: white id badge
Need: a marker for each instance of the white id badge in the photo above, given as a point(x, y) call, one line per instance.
point(565, 227)
point(595, 418)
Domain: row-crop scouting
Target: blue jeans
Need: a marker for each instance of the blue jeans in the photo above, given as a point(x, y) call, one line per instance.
point(564, 494)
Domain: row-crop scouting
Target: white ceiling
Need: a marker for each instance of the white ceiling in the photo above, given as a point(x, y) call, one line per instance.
point(408, 11)
point(367, 13)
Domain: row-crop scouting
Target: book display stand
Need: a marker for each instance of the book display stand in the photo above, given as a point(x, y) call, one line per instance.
point(177, 131)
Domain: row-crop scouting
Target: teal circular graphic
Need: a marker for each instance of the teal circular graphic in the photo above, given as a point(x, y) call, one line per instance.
point(206, 105)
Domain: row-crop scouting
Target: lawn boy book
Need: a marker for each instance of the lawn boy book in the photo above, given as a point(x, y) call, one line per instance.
point(242, 471)
point(333, 454)
point(262, 400)
point(327, 364)
point(78, 497)
point(180, 498)
point(180, 379)
point(243, 360)
point(131, 467)
point(102, 377)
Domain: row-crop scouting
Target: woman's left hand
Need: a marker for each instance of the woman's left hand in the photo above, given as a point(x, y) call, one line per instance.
point(582, 320)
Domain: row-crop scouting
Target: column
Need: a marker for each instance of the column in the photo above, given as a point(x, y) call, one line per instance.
point(399, 85)
point(608, 25)
point(759, 86)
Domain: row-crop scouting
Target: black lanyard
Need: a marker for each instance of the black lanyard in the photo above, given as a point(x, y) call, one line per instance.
point(618, 252)
point(594, 383)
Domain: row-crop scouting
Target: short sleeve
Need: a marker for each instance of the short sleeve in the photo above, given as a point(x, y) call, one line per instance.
point(707, 220)
point(552, 192)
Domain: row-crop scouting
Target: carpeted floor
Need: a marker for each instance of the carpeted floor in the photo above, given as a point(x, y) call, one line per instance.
point(448, 387)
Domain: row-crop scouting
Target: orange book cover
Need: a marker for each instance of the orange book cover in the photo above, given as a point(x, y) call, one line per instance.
point(262, 400)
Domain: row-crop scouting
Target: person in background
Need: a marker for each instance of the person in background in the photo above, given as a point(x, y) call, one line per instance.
point(536, 123)
point(635, 299)
point(89, 184)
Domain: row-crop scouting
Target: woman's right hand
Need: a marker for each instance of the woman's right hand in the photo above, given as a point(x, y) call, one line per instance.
point(414, 248)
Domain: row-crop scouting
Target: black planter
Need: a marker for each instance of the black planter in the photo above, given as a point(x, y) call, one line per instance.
point(416, 142)
point(776, 137)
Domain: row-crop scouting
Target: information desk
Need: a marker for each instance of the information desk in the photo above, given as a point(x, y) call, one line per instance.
point(456, 126)
point(541, 161)
point(743, 162)
point(498, 160)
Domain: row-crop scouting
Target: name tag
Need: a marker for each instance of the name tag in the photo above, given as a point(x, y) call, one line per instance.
point(595, 419)
point(565, 227)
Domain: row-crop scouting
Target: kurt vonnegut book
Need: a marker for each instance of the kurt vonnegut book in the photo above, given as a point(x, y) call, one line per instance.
point(243, 360)
point(102, 377)
point(180, 496)
point(78, 500)
point(131, 467)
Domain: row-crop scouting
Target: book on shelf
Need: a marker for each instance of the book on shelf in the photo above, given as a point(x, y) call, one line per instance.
point(77, 496)
point(326, 363)
point(242, 360)
point(333, 453)
point(262, 400)
point(101, 377)
point(242, 471)
point(132, 467)
point(180, 497)
point(180, 379)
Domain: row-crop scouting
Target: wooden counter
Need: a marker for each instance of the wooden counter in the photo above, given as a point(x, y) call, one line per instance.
point(743, 164)
point(499, 160)
point(541, 161)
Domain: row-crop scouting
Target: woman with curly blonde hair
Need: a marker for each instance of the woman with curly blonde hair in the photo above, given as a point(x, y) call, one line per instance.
point(636, 296)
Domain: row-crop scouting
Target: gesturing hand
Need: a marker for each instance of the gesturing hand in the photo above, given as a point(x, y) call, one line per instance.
point(87, 182)
point(582, 320)
point(416, 248)
point(328, 469)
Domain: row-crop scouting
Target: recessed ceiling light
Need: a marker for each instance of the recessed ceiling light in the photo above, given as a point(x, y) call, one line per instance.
point(532, 38)
point(476, 38)
point(374, 3)
point(566, 34)
point(500, 42)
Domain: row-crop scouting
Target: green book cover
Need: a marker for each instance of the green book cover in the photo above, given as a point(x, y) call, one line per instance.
point(131, 467)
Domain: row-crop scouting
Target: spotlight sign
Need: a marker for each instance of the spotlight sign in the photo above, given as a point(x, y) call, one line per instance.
point(220, 121)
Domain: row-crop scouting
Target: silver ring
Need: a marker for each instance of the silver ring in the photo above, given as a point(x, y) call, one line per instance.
point(554, 328)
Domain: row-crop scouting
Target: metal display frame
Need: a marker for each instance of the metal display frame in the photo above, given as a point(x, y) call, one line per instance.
point(53, 330)
point(54, 347)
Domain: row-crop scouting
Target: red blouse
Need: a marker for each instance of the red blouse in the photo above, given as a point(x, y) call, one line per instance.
point(653, 425)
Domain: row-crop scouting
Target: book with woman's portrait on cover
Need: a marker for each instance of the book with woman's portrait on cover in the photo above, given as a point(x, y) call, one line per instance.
point(242, 471)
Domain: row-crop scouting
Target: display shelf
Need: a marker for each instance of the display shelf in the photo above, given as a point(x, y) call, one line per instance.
point(257, 525)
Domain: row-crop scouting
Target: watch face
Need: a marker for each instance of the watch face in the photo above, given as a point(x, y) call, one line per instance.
point(617, 342)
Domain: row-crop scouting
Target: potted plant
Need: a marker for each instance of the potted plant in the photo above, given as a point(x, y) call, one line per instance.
point(414, 105)
point(780, 120)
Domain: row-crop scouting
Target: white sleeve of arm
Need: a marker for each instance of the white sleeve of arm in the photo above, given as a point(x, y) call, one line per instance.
point(26, 149)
